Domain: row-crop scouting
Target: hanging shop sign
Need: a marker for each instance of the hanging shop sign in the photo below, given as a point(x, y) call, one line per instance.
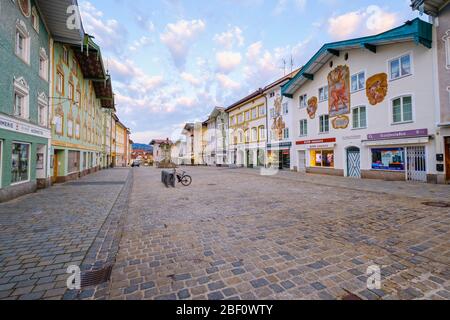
point(312, 107)
point(377, 88)
point(398, 135)
point(339, 91)
point(341, 122)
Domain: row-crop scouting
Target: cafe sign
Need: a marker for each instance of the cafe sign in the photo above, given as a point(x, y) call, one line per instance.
point(15, 125)
point(398, 135)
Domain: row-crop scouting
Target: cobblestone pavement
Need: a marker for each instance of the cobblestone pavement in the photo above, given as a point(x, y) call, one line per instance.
point(237, 235)
point(43, 233)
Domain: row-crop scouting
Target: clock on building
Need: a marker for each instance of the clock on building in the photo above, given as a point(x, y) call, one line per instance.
point(25, 7)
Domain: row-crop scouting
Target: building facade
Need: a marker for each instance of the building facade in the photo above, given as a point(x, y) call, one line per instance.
point(247, 133)
point(363, 107)
point(217, 138)
point(81, 90)
point(188, 133)
point(439, 12)
point(24, 91)
point(121, 145)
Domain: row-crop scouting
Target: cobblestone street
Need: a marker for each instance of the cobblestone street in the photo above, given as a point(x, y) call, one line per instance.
point(237, 235)
point(232, 234)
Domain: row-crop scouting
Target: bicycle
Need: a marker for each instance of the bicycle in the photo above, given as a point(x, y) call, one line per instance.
point(183, 178)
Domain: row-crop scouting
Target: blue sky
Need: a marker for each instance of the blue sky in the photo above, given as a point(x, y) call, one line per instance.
point(172, 61)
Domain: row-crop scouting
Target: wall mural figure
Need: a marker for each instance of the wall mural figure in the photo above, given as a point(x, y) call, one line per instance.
point(339, 91)
point(312, 107)
point(341, 122)
point(278, 123)
point(377, 88)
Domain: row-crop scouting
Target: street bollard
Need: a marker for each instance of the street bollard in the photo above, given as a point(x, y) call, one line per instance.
point(168, 179)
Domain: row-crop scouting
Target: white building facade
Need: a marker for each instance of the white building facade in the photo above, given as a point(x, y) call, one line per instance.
point(364, 108)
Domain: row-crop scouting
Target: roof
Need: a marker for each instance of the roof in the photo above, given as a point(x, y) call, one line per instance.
point(160, 142)
point(430, 7)
point(56, 16)
point(281, 80)
point(215, 113)
point(416, 30)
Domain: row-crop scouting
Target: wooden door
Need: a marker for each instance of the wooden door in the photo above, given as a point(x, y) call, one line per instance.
point(55, 167)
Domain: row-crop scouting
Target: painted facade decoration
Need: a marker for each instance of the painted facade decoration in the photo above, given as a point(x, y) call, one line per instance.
point(341, 122)
point(25, 7)
point(377, 88)
point(278, 123)
point(312, 107)
point(339, 91)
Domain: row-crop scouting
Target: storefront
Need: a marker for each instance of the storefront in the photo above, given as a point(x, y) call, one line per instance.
point(447, 159)
point(401, 155)
point(317, 156)
point(279, 155)
point(23, 154)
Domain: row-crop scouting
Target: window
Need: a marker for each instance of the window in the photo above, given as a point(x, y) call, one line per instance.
point(70, 127)
point(262, 111)
point(303, 101)
point(42, 109)
point(322, 158)
point(71, 92)
point(241, 118)
point(323, 94)
point(247, 136)
point(241, 137)
point(20, 163)
point(77, 130)
point(60, 83)
point(272, 94)
point(391, 159)
point(447, 49)
point(358, 81)
point(21, 98)
point(324, 125)
point(255, 113)
point(303, 128)
point(65, 56)
point(22, 42)
point(285, 108)
point(43, 64)
point(254, 134)
point(35, 19)
point(74, 65)
point(73, 161)
point(58, 124)
point(78, 98)
point(262, 133)
point(286, 133)
point(400, 67)
point(402, 110)
point(247, 116)
point(359, 117)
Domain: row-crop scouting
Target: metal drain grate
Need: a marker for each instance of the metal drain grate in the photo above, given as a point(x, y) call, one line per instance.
point(437, 204)
point(96, 277)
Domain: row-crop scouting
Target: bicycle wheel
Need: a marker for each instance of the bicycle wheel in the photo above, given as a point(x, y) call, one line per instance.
point(186, 181)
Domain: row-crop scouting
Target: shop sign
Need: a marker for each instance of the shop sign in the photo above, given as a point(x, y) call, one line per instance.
point(398, 135)
point(283, 145)
point(317, 141)
point(17, 126)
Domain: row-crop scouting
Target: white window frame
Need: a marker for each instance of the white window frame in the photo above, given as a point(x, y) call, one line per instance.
point(359, 119)
point(34, 15)
point(446, 40)
point(391, 108)
point(324, 89)
point(303, 104)
point(43, 108)
point(286, 108)
point(21, 29)
point(262, 111)
point(21, 88)
point(305, 128)
point(56, 124)
point(254, 134)
point(357, 81)
point(411, 61)
point(29, 162)
point(43, 57)
point(320, 123)
point(261, 133)
point(286, 134)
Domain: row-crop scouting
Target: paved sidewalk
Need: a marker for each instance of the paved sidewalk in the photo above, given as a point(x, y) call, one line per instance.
point(43, 233)
point(236, 235)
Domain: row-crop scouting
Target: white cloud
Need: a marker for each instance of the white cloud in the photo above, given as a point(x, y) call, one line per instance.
point(179, 36)
point(371, 20)
point(230, 38)
point(193, 80)
point(227, 61)
point(140, 43)
point(282, 5)
point(226, 82)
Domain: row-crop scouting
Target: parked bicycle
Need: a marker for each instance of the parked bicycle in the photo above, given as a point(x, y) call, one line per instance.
point(183, 178)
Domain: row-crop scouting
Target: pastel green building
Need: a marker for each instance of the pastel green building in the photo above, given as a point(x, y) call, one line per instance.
point(24, 96)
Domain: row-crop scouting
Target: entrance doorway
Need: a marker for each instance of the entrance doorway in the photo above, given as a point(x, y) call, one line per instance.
point(302, 161)
point(55, 167)
point(284, 157)
point(447, 158)
point(416, 164)
point(249, 159)
point(353, 162)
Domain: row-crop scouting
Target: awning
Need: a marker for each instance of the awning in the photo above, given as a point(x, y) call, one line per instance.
point(397, 142)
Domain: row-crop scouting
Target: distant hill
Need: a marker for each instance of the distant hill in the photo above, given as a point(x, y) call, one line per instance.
point(141, 146)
